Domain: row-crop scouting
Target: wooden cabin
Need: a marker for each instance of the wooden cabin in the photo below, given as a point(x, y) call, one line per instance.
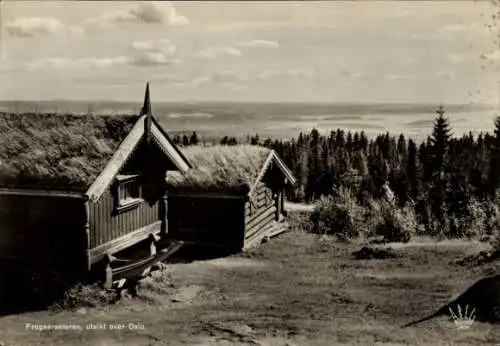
point(77, 188)
point(232, 197)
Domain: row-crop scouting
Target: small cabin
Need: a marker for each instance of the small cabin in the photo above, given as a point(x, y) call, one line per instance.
point(233, 197)
point(75, 189)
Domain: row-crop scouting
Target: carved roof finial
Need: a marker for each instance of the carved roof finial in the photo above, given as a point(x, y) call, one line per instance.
point(146, 108)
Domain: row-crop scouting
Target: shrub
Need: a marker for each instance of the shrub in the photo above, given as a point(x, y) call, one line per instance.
point(339, 215)
point(390, 223)
point(479, 219)
point(492, 211)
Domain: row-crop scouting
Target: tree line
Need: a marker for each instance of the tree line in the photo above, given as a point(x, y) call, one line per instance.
point(446, 180)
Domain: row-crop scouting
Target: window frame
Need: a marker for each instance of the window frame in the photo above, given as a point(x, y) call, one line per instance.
point(121, 204)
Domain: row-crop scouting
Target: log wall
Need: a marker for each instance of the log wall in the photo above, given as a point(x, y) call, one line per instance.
point(260, 211)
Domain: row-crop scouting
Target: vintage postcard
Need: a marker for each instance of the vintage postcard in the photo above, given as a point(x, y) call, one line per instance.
point(249, 172)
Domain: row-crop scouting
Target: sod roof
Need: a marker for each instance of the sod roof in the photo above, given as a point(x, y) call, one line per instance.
point(58, 151)
point(217, 169)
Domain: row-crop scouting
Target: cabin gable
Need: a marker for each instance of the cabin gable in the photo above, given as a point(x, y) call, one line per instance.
point(230, 211)
point(135, 200)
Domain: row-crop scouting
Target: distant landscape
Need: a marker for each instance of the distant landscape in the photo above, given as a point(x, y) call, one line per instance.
point(283, 120)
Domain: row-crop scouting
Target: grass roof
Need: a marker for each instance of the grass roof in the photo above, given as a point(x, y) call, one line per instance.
point(58, 151)
point(219, 169)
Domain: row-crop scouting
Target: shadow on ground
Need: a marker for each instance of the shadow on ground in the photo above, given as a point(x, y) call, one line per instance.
point(194, 252)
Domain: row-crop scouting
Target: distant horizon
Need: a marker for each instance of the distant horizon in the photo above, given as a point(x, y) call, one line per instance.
point(281, 120)
point(235, 102)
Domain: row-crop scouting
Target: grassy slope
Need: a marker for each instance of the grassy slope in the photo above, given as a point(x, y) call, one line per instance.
point(219, 167)
point(296, 289)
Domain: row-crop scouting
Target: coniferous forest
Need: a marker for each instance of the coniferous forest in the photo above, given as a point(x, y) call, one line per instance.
point(444, 186)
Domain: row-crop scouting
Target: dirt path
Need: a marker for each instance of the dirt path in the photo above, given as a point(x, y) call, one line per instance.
point(294, 290)
point(299, 207)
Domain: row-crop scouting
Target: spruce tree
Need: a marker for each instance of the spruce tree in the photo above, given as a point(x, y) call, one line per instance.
point(401, 146)
point(494, 161)
point(193, 140)
point(440, 140)
point(412, 171)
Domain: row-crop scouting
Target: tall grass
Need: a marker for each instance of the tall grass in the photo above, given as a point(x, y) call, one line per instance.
point(219, 167)
point(57, 150)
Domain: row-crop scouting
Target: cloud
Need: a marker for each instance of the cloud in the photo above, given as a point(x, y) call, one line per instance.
point(68, 63)
point(163, 45)
point(230, 76)
point(281, 74)
point(190, 115)
point(154, 52)
point(354, 75)
point(210, 81)
point(448, 74)
point(126, 79)
point(394, 77)
point(239, 80)
point(456, 58)
point(144, 12)
point(34, 26)
point(451, 32)
point(258, 44)
point(154, 58)
point(195, 82)
point(214, 52)
point(453, 29)
point(143, 54)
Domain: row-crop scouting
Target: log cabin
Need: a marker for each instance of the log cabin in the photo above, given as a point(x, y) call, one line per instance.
point(76, 189)
point(233, 197)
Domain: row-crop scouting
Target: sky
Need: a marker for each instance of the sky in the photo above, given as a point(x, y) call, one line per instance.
point(362, 52)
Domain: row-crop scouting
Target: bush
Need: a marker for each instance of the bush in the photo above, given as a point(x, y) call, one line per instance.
point(390, 223)
point(339, 215)
point(479, 219)
point(492, 211)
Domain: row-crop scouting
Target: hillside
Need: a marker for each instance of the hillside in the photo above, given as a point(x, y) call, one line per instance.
point(297, 289)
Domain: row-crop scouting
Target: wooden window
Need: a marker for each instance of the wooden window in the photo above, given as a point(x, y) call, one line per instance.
point(129, 192)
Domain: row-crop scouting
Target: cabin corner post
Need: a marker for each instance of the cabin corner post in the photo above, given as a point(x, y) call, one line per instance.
point(282, 197)
point(241, 241)
point(277, 203)
point(87, 233)
point(164, 215)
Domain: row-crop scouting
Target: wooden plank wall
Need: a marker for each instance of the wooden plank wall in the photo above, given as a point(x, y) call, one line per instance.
point(42, 227)
point(260, 212)
point(262, 198)
point(40, 237)
point(106, 225)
